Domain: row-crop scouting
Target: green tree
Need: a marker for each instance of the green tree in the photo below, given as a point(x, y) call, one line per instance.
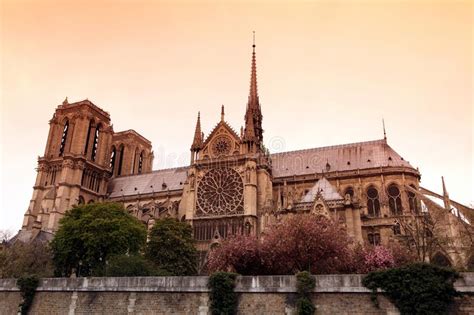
point(171, 247)
point(132, 266)
point(89, 234)
point(23, 259)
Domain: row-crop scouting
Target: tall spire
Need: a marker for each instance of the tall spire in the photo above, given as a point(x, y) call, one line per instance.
point(253, 95)
point(222, 113)
point(253, 115)
point(384, 133)
point(198, 138)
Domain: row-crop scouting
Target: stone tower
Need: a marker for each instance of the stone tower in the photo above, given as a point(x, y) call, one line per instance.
point(75, 167)
point(229, 180)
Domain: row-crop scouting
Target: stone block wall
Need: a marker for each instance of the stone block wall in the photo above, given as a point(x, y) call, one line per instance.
point(334, 294)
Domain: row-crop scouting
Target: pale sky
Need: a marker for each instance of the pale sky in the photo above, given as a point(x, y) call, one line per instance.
point(327, 73)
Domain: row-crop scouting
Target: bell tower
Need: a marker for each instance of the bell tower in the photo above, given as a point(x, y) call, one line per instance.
point(75, 166)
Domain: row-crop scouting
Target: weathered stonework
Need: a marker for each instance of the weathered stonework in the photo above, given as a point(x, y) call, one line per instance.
point(366, 187)
point(334, 294)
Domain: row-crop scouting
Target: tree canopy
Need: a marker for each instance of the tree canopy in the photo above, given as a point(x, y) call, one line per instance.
point(23, 259)
point(171, 247)
point(89, 235)
point(307, 243)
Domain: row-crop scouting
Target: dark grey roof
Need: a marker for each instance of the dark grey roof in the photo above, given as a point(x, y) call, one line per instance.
point(156, 181)
point(345, 157)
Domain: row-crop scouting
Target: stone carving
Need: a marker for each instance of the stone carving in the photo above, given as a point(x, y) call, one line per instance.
point(220, 192)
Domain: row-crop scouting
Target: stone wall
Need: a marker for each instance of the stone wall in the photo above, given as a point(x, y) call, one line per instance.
point(334, 294)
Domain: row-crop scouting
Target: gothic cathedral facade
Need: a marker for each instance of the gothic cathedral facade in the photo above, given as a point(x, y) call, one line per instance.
point(233, 184)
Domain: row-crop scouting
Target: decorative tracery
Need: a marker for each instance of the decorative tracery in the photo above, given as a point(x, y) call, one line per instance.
point(220, 192)
point(222, 145)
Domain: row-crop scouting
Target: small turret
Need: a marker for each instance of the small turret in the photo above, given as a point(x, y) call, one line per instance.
point(198, 139)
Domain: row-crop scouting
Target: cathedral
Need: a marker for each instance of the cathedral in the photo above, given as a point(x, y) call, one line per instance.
point(233, 184)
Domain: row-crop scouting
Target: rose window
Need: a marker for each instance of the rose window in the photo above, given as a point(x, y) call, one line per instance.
point(221, 146)
point(220, 192)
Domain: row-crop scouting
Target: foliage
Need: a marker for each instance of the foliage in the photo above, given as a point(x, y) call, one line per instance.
point(22, 259)
point(89, 234)
point(305, 242)
point(419, 288)
point(239, 253)
point(132, 266)
point(379, 257)
point(27, 286)
point(222, 296)
point(171, 247)
point(305, 284)
point(402, 255)
point(372, 258)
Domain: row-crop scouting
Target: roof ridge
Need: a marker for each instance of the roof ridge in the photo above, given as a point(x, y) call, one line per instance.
point(345, 145)
point(154, 171)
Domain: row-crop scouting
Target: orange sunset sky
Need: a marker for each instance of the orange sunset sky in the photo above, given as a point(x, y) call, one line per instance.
point(327, 72)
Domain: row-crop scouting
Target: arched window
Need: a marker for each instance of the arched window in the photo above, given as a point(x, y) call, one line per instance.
point(81, 200)
point(119, 171)
point(95, 143)
point(113, 154)
point(373, 238)
point(373, 203)
point(135, 157)
point(394, 200)
point(440, 260)
point(140, 163)
point(412, 203)
point(89, 130)
point(349, 191)
point(63, 139)
point(396, 229)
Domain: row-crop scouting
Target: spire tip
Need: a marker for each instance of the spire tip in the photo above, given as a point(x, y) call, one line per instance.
point(384, 132)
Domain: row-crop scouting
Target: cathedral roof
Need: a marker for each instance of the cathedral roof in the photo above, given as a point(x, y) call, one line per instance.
point(156, 181)
point(323, 187)
point(345, 157)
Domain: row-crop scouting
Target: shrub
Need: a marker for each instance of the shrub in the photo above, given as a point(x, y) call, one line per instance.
point(27, 286)
point(171, 247)
point(132, 266)
point(416, 289)
point(305, 284)
point(222, 296)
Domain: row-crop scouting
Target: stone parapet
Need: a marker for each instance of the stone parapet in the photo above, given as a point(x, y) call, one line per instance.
point(350, 283)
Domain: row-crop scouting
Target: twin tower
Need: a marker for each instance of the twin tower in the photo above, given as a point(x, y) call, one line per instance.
point(82, 153)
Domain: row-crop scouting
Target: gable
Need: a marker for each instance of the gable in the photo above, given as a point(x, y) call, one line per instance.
point(222, 141)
